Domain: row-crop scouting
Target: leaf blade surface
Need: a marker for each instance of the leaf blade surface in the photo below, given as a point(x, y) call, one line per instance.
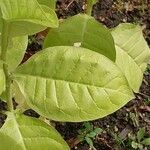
point(72, 84)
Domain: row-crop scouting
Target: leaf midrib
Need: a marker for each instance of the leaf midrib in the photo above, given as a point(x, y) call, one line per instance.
point(85, 84)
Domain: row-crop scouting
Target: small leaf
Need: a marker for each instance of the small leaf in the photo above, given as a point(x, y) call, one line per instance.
point(85, 31)
point(27, 16)
point(140, 146)
point(25, 133)
point(134, 145)
point(132, 53)
point(89, 141)
point(98, 130)
point(88, 126)
point(91, 134)
point(146, 141)
point(140, 134)
point(72, 84)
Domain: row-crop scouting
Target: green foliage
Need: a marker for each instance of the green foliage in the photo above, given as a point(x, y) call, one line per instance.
point(26, 17)
point(87, 82)
point(78, 77)
point(16, 48)
point(140, 140)
point(88, 133)
point(25, 133)
point(85, 31)
point(133, 53)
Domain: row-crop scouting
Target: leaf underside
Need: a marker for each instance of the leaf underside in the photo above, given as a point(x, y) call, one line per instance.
point(72, 84)
point(25, 133)
point(84, 31)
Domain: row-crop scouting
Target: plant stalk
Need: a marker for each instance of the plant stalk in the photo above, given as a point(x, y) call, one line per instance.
point(4, 46)
point(90, 4)
point(89, 7)
point(8, 88)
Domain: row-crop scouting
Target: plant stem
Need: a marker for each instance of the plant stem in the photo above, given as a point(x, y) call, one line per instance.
point(89, 7)
point(4, 45)
point(8, 88)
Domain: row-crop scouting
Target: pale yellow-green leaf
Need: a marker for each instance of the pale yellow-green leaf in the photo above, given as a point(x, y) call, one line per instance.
point(15, 51)
point(132, 51)
point(72, 84)
point(25, 133)
point(14, 55)
point(27, 16)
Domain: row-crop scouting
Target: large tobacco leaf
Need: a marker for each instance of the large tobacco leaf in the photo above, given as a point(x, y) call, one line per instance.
point(49, 3)
point(82, 30)
point(25, 133)
point(2, 78)
point(72, 84)
point(26, 16)
point(132, 51)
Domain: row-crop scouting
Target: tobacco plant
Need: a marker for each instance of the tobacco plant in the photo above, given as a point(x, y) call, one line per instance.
point(85, 71)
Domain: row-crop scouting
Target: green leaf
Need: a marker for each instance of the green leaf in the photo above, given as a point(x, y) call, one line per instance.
point(134, 145)
point(15, 51)
point(89, 141)
point(140, 134)
point(2, 78)
point(146, 141)
point(27, 17)
point(72, 84)
point(49, 3)
point(132, 51)
point(25, 133)
point(85, 31)
point(98, 130)
point(91, 134)
point(88, 126)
